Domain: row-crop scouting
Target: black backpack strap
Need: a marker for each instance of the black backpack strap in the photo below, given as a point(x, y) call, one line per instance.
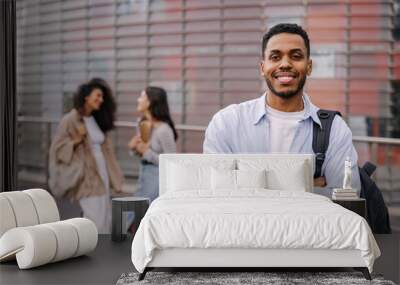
point(369, 168)
point(321, 137)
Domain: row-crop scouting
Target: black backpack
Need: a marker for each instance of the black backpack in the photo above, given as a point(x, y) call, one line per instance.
point(377, 213)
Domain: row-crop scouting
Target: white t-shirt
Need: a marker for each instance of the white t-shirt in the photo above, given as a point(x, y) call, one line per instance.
point(283, 126)
point(97, 138)
point(98, 208)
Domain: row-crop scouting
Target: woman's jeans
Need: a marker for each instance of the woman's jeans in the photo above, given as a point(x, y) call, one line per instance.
point(148, 181)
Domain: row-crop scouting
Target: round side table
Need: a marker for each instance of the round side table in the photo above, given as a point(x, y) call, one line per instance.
point(138, 205)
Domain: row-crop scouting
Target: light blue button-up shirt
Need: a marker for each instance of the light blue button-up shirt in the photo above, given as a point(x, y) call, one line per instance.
point(244, 128)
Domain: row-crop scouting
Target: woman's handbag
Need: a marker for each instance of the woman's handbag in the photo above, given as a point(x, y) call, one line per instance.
point(65, 177)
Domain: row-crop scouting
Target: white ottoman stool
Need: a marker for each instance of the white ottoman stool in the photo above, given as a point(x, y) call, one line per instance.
point(31, 233)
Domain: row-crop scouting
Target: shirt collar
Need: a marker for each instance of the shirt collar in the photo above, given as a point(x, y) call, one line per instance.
point(310, 109)
point(259, 111)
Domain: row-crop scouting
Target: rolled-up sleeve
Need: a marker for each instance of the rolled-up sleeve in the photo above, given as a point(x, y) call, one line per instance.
point(340, 147)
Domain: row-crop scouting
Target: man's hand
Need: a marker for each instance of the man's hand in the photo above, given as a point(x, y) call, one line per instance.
point(320, 181)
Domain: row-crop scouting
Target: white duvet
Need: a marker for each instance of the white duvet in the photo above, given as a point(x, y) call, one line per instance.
point(250, 219)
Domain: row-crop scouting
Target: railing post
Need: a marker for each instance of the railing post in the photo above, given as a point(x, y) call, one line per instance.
point(47, 151)
point(374, 152)
point(389, 156)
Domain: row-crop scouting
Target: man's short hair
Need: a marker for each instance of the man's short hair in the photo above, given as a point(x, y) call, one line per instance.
point(285, 28)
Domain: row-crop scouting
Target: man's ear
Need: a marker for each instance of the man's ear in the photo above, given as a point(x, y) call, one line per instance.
point(262, 68)
point(309, 67)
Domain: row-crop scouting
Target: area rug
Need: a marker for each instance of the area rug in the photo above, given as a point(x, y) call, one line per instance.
point(229, 278)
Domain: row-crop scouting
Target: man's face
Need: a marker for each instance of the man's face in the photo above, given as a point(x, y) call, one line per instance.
point(285, 65)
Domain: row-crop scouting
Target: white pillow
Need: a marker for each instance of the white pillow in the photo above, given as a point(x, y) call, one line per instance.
point(294, 179)
point(183, 178)
point(193, 175)
point(251, 179)
point(282, 173)
point(223, 179)
point(226, 179)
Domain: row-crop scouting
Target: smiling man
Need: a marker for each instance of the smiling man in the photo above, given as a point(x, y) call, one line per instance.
point(281, 120)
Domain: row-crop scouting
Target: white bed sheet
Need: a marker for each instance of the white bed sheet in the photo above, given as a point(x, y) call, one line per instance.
point(253, 218)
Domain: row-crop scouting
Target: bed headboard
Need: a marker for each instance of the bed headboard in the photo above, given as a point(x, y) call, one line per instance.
point(211, 159)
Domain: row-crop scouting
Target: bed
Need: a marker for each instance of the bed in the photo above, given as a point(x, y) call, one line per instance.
point(247, 210)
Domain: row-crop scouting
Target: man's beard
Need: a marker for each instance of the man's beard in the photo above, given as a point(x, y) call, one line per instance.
point(287, 94)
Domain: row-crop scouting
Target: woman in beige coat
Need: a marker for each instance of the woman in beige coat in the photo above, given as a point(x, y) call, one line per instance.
point(82, 163)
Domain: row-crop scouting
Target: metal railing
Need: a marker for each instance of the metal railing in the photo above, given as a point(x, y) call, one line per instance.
point(372, 142)
point(48, 123)
point(388, 166)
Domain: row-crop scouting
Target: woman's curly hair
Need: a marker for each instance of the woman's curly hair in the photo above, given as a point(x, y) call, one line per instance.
point(105, 116)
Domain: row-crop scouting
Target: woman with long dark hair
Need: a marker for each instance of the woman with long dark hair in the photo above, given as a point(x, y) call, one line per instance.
point(157, 134)
point(82, 163)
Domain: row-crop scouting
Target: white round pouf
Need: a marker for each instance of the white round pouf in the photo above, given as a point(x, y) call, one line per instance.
point(30, 230)
point(87, 234)
point(46, 207)
point(23, 208)
point(7, 218)
point(67, 240)
point(33, 246)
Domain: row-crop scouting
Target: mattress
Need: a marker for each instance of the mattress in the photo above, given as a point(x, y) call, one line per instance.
point(251, 219)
